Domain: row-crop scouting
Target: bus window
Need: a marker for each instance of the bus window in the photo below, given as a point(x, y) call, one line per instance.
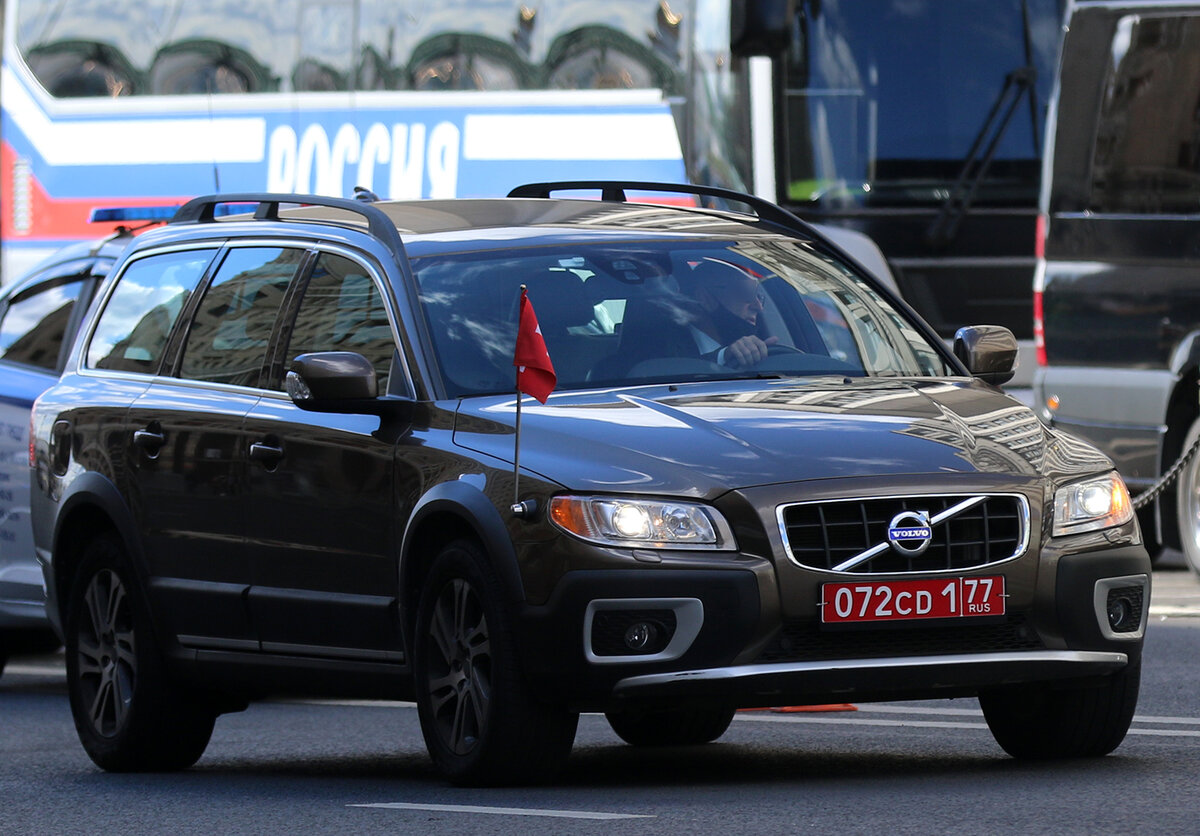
point(203, 67)
point(599, 57)
point(466, 62)
point(82, 68)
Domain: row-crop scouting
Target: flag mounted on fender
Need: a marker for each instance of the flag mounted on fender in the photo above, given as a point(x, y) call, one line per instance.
point(535, 372)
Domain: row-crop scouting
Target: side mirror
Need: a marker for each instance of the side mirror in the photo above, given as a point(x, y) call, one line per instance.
point(988, 351)
point(760, 27)
point(333, 381)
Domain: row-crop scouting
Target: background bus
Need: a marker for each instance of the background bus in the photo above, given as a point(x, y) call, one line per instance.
point(860, 113)
point(918, 122)
point(158, 100)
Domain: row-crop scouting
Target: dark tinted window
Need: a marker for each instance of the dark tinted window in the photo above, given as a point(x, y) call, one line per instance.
point(885, 98)
point(35, 324)
point(227, 340)
point(1147, 156)
point(343, 310)
point(139, 315)
point(663, 311)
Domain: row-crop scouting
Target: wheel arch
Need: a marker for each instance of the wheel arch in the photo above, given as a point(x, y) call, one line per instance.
point(447, 512)
point(92, 506)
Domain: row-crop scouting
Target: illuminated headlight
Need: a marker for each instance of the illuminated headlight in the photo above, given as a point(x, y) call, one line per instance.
point(646, 523)
point(1092, 505)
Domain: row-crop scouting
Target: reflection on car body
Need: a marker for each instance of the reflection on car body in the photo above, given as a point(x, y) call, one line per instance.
point(281, 461)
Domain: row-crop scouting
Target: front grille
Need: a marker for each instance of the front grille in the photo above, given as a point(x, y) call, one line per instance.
point(806, 641)
point(827, 535)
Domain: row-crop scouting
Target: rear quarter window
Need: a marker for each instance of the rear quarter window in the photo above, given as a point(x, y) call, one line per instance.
point(132, 331)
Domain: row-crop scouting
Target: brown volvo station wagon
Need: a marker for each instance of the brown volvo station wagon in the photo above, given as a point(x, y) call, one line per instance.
point(287, 457)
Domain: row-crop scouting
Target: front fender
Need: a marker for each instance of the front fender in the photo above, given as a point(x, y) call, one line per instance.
point(460, 502)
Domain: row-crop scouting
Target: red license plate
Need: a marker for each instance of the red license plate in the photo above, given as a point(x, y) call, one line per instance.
point(857, 601)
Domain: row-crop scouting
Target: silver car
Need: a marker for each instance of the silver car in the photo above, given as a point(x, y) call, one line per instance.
point(39, 314)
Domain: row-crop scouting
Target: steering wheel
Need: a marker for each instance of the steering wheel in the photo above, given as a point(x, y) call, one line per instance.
point(779, 348)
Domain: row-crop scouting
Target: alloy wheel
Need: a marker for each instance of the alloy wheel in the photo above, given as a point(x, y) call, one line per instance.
point(106, 653)
point(459, 682)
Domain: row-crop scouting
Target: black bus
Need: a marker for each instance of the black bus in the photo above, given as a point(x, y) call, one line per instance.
point(920, 123)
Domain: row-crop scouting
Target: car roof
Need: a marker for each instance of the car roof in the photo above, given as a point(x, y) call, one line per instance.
point(414, 228)
point(622, 211)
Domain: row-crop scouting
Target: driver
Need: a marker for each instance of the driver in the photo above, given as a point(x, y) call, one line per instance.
point(728, 329)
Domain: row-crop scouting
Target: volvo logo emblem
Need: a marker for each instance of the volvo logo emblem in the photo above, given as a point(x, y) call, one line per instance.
point(909, 532)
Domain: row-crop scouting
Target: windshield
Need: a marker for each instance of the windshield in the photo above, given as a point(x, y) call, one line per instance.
point(628, 314)
point(885, 98)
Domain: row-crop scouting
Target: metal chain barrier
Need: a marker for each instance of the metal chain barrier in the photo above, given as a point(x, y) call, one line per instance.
point(1146, 497)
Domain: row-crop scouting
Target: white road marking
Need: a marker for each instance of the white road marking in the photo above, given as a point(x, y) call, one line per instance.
point(934, 724)
point(505, 811)
point(36, 670)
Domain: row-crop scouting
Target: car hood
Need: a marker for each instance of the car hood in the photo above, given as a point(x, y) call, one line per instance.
point(704, 439)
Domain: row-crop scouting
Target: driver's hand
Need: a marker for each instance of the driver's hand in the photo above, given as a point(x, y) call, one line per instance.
point(746, 351)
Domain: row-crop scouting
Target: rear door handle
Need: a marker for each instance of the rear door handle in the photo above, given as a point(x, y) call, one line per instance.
point(266, 453)
point(150, 440)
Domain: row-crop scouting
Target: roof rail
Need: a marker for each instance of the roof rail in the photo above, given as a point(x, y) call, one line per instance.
point(614, 191)
point(206, 209)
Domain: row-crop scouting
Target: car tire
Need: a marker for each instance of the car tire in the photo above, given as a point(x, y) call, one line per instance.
point(481, 723)
point(1046, 721)
point(670, 726)
point(128, 715)
point(1187, 503)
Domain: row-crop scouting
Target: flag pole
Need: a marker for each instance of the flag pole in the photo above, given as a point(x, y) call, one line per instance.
point(518, 507)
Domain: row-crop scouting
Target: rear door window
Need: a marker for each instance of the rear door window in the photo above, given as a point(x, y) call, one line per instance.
point(228, 338)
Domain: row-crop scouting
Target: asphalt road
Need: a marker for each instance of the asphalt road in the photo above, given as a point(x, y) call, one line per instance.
point(357, 767)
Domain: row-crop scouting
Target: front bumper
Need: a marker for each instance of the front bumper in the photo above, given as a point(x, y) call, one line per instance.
point(752, 641)
point(870, 679)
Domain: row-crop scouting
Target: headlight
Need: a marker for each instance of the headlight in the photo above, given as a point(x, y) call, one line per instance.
point(643, 523)
point(1092, 505)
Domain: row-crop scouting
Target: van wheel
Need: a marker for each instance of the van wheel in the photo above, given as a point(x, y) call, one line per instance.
point(128, 715)
point(1187, 498)
point(670, 726)
point(481, 724)
point(1042, 721)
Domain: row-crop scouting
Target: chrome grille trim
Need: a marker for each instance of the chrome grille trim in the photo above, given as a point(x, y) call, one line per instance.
point(873, 547)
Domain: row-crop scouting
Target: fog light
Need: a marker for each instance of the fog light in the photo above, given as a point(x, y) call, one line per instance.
point(1120, 614)
point(632, 632)
point(1120, 606)
point(639, 635)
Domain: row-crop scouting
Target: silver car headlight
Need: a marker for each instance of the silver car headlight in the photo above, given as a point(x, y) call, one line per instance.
point(1091, 505)
point(642, 523)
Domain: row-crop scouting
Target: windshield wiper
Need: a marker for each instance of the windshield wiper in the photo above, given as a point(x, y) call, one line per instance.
point(1018, 83)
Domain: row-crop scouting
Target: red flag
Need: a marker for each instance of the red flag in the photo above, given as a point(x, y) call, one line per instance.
point(535, 372)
